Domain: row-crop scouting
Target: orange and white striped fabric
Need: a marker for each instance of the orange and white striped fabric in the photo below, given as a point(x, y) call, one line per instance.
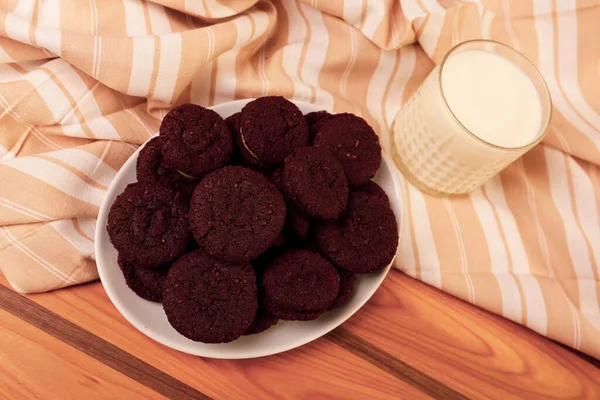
point(82, 83)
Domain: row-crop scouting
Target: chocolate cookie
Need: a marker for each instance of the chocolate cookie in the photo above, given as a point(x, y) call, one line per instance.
point(133, 281)
point(208, 300)
point(364, 239)
point(148, 224)
point(315, 120)
point(153, 278)
point(374, 190)
point(270, 128)
point(195, 140)
point(355, 145)
point(315, 182)
point(150, 168)
point(299, 285)
point(262, 321)
point(236, 213)
point(347, 280)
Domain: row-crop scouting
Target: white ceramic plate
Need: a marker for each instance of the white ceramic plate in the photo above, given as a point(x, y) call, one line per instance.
point(150, 318)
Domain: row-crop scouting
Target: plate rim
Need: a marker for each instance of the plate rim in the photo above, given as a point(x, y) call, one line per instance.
point(110, 290)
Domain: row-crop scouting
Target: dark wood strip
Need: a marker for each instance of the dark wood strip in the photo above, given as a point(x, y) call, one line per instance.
point(595, 362)
point(96, 347)
point(392, 365)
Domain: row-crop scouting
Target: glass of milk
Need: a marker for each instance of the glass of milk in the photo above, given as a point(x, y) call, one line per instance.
point(480, 109)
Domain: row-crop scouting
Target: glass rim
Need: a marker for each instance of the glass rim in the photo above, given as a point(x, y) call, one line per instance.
point(544, 126)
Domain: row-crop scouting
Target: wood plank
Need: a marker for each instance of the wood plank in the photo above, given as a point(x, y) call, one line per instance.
point(320, 369)
point(468, 349)
point(93, 346)
point(389, 363)
point(37, 365)
point(406, 324)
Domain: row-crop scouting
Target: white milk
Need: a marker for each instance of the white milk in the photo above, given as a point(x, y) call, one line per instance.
point(495, 99)
point(492, 98)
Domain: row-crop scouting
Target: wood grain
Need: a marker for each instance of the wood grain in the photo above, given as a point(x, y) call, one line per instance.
point(93, 346)
point(37, 365)
point(468, 349)
point(409, 341)
point(389, 363)
point(320, 369)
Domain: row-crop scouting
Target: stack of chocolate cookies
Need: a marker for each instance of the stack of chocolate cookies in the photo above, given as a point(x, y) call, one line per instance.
point(235, 224)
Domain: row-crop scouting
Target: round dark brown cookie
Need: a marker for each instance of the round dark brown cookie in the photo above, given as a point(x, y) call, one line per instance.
point(262, 321)
point(300, 284)
point(315, 120)
point(153, 278)
point(208, 300)
point(315, 182)
point(133, 281)
point(355, 145)
point(364, 239)
point(196, 140)
point(236, 213)
point(374, 190)
point(150, 168)
point(271, 128)
point(347, 280)
point(148, 224)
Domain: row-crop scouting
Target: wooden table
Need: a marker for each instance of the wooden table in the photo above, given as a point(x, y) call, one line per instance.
point(409, 341)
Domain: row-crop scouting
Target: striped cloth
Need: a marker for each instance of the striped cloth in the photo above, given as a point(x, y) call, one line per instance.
point(82, 83)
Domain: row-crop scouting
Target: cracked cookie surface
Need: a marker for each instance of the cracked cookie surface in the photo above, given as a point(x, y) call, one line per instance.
point(315, 182)
point(364, 239)
point(209, 300)
point(353, 143)
point(150, 167)
point(148, 224)
point(236, 213)
point(196, 140)
point(271, 128)
point(299, 285)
